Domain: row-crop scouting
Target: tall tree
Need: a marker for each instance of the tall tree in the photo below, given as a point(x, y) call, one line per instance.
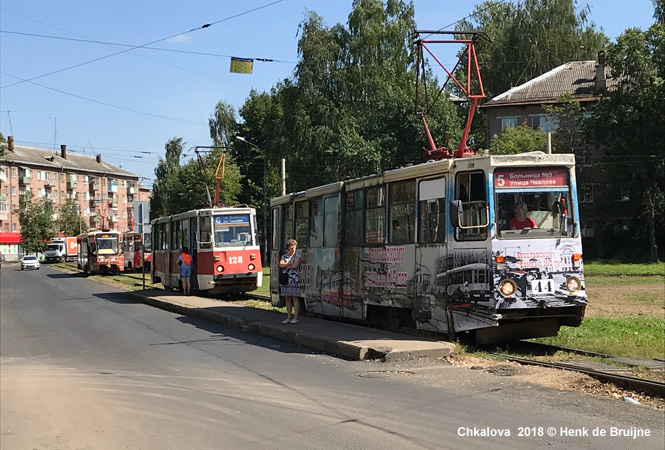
point(35, 218)
point(166, 179)
point(518, 139)
point(348, 111)
point(629, 122)
point(529, 38)
point(71, 223)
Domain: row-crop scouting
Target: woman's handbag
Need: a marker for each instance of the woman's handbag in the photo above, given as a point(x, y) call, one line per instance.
point(283, 277)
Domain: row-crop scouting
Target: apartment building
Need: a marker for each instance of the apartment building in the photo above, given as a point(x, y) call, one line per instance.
point(105, 194)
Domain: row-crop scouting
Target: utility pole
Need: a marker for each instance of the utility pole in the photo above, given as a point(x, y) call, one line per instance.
point(265, 199)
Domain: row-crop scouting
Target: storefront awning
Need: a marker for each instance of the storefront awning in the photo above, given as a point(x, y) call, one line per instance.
point(10, 238)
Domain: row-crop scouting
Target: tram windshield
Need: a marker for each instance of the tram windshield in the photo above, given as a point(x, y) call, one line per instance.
point(107, 245)
point(232, 229)
point(533, 203)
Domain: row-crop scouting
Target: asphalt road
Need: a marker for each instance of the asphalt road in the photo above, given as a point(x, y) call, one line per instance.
point(84, 367)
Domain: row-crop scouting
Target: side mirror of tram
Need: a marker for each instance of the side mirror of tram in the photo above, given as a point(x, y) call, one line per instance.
point(455, 209)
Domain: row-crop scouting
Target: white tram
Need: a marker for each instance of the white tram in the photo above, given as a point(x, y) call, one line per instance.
point(431, 246)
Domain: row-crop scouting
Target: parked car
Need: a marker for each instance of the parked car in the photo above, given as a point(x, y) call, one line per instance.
point(30, 262)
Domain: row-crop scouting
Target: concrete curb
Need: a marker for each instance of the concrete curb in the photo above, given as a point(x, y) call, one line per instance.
point(386, 349)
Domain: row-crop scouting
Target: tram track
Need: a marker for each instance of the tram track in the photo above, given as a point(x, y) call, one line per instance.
point(609, 375)
point(624, 381)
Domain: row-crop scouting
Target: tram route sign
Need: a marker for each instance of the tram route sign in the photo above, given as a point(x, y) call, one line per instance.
point(530, 178)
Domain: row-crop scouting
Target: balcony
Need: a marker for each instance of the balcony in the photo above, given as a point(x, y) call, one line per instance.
point(72, 184)
point(112, 219)
point(131, 190)
point(94, 186)
point(3, 175)
point(24, 179)
point(113, 204)
point(52, 183)
point(3, 197)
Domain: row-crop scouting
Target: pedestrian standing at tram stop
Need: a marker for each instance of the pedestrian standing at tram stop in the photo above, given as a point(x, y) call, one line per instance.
point(290, 263)
point(185, 262)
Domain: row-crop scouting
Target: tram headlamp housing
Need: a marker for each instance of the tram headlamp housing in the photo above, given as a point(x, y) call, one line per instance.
point(507, 288)
point(220, 268)
point(250, 267)
point(573, 285)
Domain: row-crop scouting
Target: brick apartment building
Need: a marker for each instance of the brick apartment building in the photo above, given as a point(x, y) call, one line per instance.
point(605, 209)
point(105, 194)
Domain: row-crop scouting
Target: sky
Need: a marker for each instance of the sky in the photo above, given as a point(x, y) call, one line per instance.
point(106, 97)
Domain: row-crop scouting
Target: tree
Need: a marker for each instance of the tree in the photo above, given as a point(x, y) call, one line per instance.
point(166, 178)
point(179, 188)
point(529, 38)
point(520, 139)
point(71, 223)
point(349, 109)
point(629, 121)
point(3, 144)
point(35, 218)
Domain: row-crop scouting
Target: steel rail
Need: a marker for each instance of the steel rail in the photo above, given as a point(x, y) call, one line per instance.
point(653, 387)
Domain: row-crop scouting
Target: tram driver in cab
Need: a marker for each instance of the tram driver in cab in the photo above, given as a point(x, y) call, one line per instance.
point(521, 221)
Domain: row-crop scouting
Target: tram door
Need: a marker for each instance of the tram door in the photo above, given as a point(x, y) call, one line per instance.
point(431, 255)
point(189, 235)
point(321, 273)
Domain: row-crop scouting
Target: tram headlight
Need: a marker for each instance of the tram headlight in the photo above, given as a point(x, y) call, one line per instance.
point(251, 267)
point(507, 288)
point(220, 269)
point(573, 285)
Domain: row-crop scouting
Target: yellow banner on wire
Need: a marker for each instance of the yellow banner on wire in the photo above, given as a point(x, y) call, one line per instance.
point(242, 65)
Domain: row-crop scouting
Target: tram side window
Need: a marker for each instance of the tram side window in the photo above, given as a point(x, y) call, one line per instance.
point(432, 211)
point(330, 205)
point(205, 227)
point(302, 223)
point(470, 188)
point(353, 218)
point(315, 223)
point(375, 216)
point(275, 228)
point(176, 235)
point(287, 231)
point(185, 233)
point(402, 212)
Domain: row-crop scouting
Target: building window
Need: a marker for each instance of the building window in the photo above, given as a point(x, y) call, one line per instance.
point(587, 228)
point(541, 122)
point(14, 171)
point(85, 179)
point(5, 190)
point(13, 228)
point(3, 207)
point(6, 228)
point(624, 194)
point(586, 193)
point(508, 122)
point(39, 174)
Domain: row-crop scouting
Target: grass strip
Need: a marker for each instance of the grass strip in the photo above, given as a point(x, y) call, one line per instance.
point(639, 337)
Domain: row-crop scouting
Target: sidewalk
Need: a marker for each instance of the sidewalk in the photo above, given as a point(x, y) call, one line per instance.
point(340, 339)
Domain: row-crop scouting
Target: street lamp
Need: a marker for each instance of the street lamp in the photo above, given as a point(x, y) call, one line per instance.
point(265, 199)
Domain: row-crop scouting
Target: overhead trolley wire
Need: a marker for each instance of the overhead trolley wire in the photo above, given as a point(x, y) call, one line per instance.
point(207, 25)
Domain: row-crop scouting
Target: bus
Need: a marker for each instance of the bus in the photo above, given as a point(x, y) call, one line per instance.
point(100, 251)
point(226, 257)
point(430, 246)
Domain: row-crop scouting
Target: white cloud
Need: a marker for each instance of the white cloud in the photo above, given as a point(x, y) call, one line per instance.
point(180, 38)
